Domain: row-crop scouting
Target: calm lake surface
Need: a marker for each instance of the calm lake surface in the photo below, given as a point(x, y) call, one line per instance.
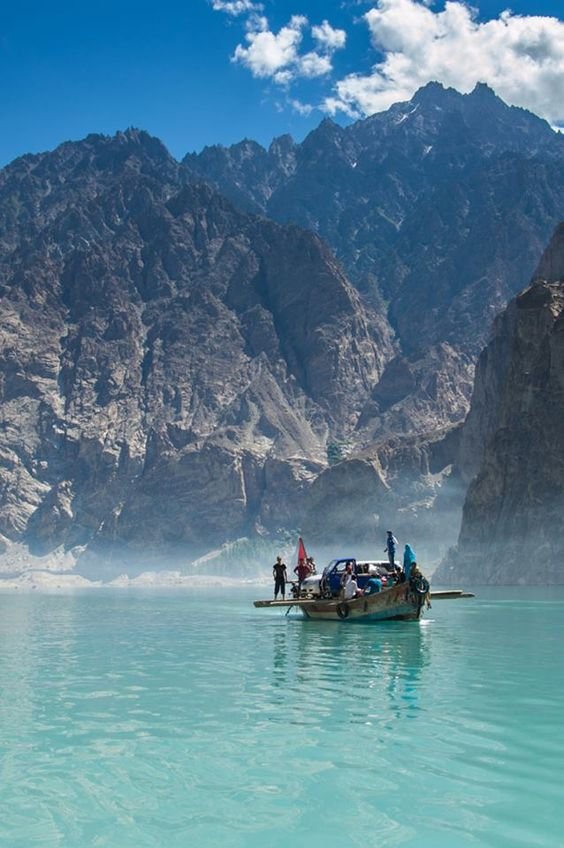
point(146, 718)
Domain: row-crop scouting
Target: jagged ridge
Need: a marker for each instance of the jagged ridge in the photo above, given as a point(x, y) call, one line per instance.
point(171, 369)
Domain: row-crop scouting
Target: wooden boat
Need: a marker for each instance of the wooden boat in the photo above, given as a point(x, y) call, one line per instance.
point(400, 602)
point(319, 596)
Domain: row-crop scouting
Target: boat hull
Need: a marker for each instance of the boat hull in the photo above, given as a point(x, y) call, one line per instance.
point(398, 603)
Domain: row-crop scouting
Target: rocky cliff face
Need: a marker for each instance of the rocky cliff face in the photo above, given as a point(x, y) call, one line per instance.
point(175, 373)
point(439, 208)
point(512, 521)
point(171, 369)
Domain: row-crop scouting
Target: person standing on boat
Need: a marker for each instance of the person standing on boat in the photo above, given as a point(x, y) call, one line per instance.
point(303, 570)
point(390, 548)
point(409, 560)
point(280, 576)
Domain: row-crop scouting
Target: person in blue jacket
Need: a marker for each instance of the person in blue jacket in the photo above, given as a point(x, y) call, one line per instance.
point(373, 586)
point(390, 548)
point(409, 560)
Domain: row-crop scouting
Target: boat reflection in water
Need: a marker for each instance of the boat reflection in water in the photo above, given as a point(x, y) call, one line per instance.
point(361, 675)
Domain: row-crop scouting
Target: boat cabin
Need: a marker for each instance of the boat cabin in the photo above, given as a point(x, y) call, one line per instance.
point(329, 582)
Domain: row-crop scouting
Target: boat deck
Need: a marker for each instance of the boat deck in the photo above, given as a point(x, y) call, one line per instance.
point(439, 595)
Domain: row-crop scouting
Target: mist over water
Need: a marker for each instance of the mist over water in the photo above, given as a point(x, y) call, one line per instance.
point(162, 718)
point(430, 527)
point(247, 560)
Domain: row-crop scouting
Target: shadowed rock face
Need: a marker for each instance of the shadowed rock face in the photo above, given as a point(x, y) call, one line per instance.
point(170, 369)
point(440, 206)
point(512, 521)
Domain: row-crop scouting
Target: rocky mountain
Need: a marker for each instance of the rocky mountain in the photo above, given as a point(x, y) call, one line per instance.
point(438, 209)
point(512, 445)
point(182, 363)
point(171, 369)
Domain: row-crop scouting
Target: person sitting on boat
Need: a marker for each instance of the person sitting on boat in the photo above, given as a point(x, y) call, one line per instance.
point(349, 586)
point(280, 576)
point(419, 583)
point(346, 578)
point(303, 570)
point(390, 578)
point(312, 568)
point(373, 586)
point(351, 589)
point(390, 548)
point(409, 560)
point(415, 573)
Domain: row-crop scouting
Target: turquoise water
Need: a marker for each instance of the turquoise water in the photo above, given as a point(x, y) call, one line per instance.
point(161, 719)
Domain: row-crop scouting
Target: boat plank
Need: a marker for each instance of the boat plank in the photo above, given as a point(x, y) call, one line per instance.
point(293, 603)
point(448, 594)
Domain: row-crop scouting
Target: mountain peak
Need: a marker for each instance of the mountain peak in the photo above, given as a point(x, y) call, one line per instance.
point(486, 114)
point(429, 87)
point(282, 142)
point(327, 129)
point(434, 93)
point(128, 142)
point(150, 144)
point(483, 90)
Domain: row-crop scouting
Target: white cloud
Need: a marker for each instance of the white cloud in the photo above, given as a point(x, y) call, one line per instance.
point(328, 38)
point(314, 65)
point(277, 55)
point(256, 23)
point(520, 57)
point(270, 53)
point(236, 7)
point(301, 108)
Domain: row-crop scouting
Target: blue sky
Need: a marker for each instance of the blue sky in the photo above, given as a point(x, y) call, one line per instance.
point(68, 69)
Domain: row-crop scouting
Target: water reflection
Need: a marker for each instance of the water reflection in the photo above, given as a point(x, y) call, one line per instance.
point(38, 656)
point(376, 670)
point(135, 718)
point(280, 658)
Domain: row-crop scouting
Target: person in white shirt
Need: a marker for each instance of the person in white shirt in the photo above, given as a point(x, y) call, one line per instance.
point(350, 589)
point(349, 586)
